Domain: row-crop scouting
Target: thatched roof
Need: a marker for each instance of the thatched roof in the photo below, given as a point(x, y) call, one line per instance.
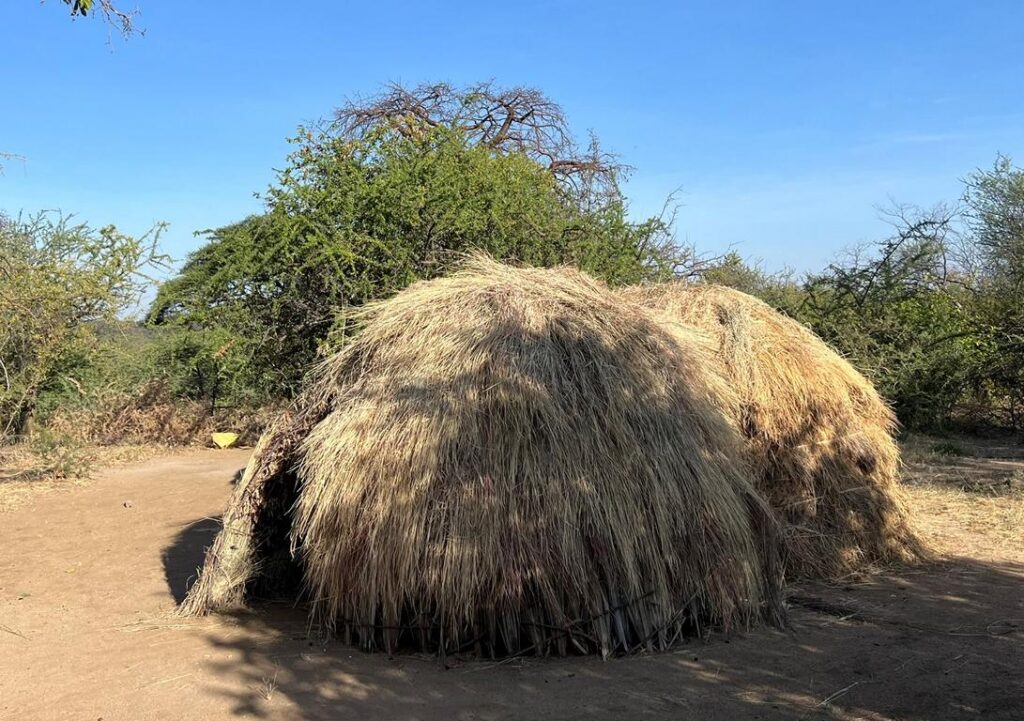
point(819, 437)
point(507, 460)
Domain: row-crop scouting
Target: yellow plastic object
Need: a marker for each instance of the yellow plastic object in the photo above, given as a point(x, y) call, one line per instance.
point(224, 440)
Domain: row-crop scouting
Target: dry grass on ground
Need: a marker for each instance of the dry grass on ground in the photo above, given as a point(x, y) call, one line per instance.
point(967, 494)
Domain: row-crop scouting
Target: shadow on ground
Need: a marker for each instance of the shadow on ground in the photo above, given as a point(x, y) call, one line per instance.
point(938, 642)
point(183, 558)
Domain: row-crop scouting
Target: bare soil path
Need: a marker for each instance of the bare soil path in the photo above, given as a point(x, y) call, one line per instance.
point(89, 577)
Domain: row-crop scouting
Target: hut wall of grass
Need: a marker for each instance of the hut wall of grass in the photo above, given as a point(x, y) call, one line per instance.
point(509, 461)
point(819, 437)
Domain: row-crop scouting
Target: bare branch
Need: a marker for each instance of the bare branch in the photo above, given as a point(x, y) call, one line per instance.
point(507, 120)
point(9, 157)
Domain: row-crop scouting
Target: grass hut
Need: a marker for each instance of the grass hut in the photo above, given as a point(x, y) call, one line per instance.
point(819, 436)
point(508, 461)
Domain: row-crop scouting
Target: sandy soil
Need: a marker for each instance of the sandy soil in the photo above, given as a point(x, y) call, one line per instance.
point(89, 577)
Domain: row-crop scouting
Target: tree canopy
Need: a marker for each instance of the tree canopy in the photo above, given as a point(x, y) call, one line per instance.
point(396, 190)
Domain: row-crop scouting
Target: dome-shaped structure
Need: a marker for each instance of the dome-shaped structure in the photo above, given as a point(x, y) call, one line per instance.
point(509, 460)
point(819, 436)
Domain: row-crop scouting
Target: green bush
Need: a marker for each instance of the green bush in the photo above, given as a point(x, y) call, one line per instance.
point(151, 385)
point(58, 279)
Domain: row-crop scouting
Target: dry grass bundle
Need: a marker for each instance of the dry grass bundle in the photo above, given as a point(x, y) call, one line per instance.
point(508, 460)
point(819, 436)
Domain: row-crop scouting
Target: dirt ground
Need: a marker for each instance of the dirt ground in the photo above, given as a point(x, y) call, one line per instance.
point(89, 577)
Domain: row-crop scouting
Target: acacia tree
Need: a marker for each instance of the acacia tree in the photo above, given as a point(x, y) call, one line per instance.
point(57, 278)
point(901, 311)
point(395, 190)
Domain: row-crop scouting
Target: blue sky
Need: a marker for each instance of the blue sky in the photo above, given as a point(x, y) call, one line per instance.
point(784, 124)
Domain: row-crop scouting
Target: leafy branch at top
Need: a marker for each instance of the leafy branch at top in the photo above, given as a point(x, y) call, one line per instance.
point(123, 20)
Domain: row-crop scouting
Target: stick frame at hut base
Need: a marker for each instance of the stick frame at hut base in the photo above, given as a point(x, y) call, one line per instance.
point(230, 563)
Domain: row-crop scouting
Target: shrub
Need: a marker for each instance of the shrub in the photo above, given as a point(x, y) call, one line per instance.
point(57, 280)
